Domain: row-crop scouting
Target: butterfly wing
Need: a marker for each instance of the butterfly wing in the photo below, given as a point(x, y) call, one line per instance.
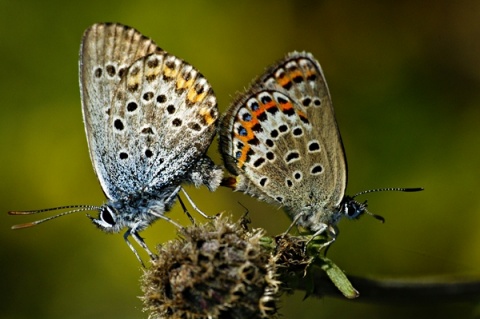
point(106, 52)
point(282, 140)
point(148, 115)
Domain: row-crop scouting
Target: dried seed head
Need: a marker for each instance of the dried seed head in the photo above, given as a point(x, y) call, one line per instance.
point(291, 254)
point(215, 270)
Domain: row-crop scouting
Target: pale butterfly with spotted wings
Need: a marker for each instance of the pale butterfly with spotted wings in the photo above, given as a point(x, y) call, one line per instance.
point(281, 142)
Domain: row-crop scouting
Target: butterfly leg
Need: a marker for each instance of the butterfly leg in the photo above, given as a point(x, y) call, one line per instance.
point(195, 206)
point(294, 222)
point(170, 200)
point(185, 210)
point(171, 221)
point(331, 231)
point(140, 241)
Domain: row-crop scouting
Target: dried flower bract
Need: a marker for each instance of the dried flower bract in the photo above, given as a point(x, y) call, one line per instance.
point(214, 270)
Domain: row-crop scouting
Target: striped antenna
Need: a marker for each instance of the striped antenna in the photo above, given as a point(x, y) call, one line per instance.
point(76, 209)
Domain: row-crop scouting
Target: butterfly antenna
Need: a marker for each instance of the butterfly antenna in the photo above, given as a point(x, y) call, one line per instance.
point(390, 189)
point(377, 217)
point(387, 189)
point(77, 208)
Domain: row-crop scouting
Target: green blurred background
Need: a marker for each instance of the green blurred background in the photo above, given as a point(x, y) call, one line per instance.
point(405, 81)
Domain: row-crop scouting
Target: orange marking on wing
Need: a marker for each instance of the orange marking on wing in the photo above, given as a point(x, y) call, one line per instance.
point(258, 112)
point(301, 114)
point(170, 73)
point(200, 97)
point(286, 106)
point(191, 95)
point(207, 116)
point(241, 161)
point(181, 83)
point(283, 81)
point(269, 105)
point(248, 125)
point(133, 79)
point(245, 138)
point(189, 83)
point(151, 73)
point(263, 108)
point(295, 73)
point(311, 72)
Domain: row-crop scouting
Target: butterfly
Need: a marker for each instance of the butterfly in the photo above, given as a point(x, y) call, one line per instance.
point(281, 142)
point(149, 118)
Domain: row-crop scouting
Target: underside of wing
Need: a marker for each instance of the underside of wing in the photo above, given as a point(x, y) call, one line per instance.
point(148, 115)
point(162, 121)
point(281, 137)
point(107, 50)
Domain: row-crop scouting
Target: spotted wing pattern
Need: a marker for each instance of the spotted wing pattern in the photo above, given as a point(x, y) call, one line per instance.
point(281, 139)
point(149, 116)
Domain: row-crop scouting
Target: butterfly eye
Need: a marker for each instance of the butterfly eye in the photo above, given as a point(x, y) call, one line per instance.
point(107, 215)
point(353, 209)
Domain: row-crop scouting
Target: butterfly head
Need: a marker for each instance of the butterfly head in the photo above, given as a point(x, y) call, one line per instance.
point(107, 219)
point(113, 217)
point(352, 209)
